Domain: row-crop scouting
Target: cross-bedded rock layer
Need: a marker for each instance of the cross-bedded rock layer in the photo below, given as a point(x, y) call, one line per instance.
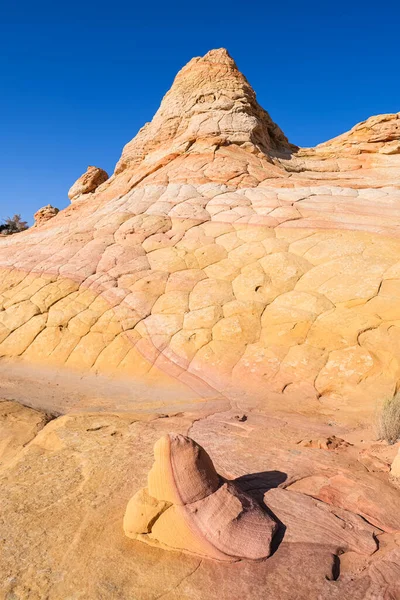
point(66, 485)
point(219, 251)
point(188, 506)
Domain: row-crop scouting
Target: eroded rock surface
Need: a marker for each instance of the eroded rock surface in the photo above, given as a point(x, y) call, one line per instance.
point(220, 272)
point(18, 426)
point(87, 183)
point(210, 104)
point(44, 214)
point(70, 486)
point(187, 506)
point(219, 251)
point(395, 468)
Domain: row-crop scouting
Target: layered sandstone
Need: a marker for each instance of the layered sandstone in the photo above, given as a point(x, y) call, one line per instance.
point(368, 154)
point(188, 506)
point(18, 426)
point(222, 286)
point(395, 468)
point(220, 253)
point(210, 104)
point(63, 496)
point(376, 134)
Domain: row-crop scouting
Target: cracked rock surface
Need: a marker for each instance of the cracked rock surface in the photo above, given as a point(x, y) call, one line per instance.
point(220, 252)
point(223, 285)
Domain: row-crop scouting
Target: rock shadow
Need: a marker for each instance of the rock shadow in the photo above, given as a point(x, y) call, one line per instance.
point(256, 485)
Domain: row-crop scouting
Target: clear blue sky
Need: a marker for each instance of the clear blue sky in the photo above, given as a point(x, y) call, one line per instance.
point(79, 79)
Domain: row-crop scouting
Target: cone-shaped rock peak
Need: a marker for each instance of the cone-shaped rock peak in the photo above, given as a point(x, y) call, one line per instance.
point(210, 104)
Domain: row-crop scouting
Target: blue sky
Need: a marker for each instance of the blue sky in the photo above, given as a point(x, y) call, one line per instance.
point(79, 79)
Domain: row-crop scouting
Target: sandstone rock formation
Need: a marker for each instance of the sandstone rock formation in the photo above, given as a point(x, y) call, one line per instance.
point(187, 506)
point(224, 285)
point(395, 469)
point(220, 253)
point(18, 426)
point(87, 183)
point(63, 497)
point(376, 134)
point(44, 214)
point(210, 104)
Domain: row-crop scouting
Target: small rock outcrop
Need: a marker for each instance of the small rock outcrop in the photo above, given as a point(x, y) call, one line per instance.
point(380, 133)
point(18, 426)
point(87, 183)
point(44, 214)
point(187, 506)
point(395, 468)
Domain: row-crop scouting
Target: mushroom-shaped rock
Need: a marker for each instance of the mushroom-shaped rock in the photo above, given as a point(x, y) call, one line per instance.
point(189, 507)
point(87, 182)
point(45, 213)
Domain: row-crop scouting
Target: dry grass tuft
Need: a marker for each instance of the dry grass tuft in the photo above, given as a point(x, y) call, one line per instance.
point(389, 420)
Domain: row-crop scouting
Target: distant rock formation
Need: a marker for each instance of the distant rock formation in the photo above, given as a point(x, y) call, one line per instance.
point(188, 506)
point(376, 134)
point(87, 183)
point(368, 146)
point(44, 214)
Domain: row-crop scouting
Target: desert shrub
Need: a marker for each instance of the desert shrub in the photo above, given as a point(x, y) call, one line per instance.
point(389, 420)
point(12, 225)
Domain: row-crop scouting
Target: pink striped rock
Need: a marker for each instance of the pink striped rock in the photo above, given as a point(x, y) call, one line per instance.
point(189, 507)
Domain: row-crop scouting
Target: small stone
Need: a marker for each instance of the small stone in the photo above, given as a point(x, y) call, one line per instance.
point(44, 214)
point(241, 418)
point(329, 443)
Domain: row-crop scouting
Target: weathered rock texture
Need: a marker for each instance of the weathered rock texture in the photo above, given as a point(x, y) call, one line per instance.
point(18, 426)
point(87, 183)
point(187, 506)
point(217, 258)
point(63, 497)
point(210, 104)
point(395, 468)
point(44, 214)
point(376, 134)
point(220, 252)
